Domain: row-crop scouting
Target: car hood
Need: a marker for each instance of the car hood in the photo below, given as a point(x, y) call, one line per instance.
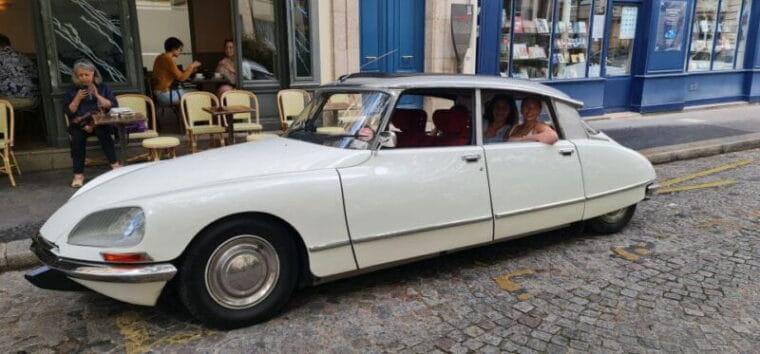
point(233, 163)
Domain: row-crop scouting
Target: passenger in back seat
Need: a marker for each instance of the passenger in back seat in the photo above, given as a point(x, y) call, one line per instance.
point(500, 116)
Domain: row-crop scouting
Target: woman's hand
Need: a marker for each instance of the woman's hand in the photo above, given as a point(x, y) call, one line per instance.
point(89, 128)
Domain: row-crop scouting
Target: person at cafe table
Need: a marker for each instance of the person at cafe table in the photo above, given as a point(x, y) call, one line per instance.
point(166, 72)
point(89, 95)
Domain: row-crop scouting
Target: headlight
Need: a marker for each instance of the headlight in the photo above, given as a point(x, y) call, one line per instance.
point(122, 227)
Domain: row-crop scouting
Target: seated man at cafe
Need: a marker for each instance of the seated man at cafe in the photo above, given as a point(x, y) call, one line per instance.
point(17, 75)
point(166, 73)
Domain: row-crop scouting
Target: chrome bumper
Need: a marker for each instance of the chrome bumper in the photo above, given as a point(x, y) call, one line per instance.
point(110, 273)
point(651, 189)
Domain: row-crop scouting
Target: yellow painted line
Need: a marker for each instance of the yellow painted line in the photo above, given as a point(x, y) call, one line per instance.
point(628, 256)
point(641, 251)
point(696, 186)
point(524, 296)
point(505, 281)
point(692, 176)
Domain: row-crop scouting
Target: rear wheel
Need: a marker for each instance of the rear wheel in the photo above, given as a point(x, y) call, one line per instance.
point(238, 273)
point(612, 222)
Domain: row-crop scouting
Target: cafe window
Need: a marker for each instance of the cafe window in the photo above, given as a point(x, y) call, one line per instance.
point(718, 35)
point(263, 52)
point(552, 39)
point(90, 29)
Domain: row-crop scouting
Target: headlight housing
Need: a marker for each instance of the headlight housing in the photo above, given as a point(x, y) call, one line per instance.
point(120, 227)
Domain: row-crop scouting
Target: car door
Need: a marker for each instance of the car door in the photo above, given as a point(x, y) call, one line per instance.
point(534, 186)
point(409, 202)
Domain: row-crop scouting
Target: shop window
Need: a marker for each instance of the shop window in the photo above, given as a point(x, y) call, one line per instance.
point(90, 29)
point(620, 47)
point(744, 22)
point(301, 39)
point(552, 39)
point(717, 36)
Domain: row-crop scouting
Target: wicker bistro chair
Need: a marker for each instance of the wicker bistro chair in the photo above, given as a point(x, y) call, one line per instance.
point(290, 103)
point(244, 122)
point(6, 141)
point(144, 105)
point(197, 121)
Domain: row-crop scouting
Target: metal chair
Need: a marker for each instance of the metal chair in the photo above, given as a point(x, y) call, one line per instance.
point(197, 121)
point(6, 141)
point(244, 122)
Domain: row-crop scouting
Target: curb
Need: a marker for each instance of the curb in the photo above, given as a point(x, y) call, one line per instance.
point(16, 255)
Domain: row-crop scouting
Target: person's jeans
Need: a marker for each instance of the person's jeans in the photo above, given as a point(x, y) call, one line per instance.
point(167, 98)
point(79, 145)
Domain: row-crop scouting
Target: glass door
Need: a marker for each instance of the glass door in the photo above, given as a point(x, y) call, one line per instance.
point(619, 55)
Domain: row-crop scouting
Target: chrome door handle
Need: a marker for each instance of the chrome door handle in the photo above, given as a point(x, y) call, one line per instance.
point(369, 57)
point(471, 158)
point(566, 151)
point(407, 56)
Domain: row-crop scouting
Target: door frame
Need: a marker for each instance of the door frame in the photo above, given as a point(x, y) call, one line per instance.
point(388, 35)
point(639, 52)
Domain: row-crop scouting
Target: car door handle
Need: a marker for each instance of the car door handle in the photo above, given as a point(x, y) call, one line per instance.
point(566, 151)
point(471, 158)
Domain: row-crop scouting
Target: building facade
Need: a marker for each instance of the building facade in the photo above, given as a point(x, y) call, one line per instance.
point(618, 55)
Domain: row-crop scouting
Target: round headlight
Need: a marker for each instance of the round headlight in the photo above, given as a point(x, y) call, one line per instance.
point(121, 227)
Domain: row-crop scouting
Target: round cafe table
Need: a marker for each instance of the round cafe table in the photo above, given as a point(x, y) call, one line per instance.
point(120, 122)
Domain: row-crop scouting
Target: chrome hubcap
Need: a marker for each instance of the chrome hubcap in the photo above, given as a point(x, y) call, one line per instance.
point(614, 216)
point(242, 271)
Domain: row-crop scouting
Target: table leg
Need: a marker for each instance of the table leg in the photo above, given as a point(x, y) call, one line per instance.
point(124, 136)
point(230, 128)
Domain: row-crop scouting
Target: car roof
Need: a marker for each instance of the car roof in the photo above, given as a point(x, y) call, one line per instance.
point(375, 80)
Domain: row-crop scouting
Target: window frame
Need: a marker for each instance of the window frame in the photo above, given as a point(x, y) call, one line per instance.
point(548, 102)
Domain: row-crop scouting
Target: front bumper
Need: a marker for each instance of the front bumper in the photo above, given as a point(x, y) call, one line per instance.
point(100, 272)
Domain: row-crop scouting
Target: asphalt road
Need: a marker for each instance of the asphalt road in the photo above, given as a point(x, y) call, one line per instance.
point(682, 127)
point(681, 277)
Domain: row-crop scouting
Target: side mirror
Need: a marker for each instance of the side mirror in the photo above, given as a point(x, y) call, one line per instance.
point(387, 139)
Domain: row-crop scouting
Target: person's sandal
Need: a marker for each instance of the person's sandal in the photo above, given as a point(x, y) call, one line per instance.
point(77, 182)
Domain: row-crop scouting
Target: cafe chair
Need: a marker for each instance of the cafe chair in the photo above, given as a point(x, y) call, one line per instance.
point(6, 141)
point(199, 122)
point(244, 122)
point(260, 137)
point(156, 146)
point(144, 105)
point(290, 103)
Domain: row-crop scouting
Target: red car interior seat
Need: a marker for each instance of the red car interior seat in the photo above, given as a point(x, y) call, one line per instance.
point(454, 126)
point(412, 123)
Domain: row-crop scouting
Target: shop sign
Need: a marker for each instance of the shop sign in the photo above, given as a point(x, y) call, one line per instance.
point(628, 22)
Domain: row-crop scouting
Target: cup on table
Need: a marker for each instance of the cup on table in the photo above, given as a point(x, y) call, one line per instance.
point(217, 75)
point(199, 76)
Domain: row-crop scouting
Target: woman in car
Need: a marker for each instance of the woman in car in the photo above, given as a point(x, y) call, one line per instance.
point(500, 117)
point(531, 129)
point(88, 95)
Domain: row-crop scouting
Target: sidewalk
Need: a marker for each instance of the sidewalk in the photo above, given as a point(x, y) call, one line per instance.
point(661, 137)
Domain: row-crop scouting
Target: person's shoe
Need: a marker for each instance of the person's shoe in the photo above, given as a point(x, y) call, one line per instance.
point(115, 165)
point(78, 181)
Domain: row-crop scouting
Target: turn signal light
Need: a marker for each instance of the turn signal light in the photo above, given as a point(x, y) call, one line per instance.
point(126, 257)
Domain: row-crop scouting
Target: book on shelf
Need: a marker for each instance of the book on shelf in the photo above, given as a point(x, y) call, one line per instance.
point(581, 58)
point(529, 26)
point(573, 58)
point(542, 26)
point(537, 52)
point(521, 51)
point(561, 26)
point(518, 24)
point(580, 27)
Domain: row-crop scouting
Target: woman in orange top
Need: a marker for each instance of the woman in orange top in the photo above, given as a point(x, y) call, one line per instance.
point(165, 72)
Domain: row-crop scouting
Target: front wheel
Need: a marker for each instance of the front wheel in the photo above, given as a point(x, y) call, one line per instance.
point(238, 273)
point(612, 222)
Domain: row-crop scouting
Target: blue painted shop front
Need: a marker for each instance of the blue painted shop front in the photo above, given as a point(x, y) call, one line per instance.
point(620, 55)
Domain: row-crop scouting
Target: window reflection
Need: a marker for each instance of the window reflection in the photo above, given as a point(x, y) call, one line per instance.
point(703, 29)
point(622, 35)
point(597, 38)
point(728, 28)
point(259, 39)
point(532, 31)
point(301, 37)
point(571, 39)
point(743, 36)
point(89, 29)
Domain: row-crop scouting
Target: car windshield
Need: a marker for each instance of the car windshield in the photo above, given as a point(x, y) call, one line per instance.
point(347, 120)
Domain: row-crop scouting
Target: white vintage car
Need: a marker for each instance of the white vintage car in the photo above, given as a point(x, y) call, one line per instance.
point(377, 169)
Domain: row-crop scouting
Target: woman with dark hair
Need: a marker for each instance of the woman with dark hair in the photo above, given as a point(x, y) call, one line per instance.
point(531, 128)
point(500, 116)
point(226, 67)
point(88, 95)
point(165, 73)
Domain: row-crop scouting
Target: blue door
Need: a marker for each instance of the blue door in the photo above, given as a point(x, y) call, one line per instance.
point(392, 35)
point(620, 55)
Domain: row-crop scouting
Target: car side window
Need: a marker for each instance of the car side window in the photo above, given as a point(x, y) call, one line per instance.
point(433, 118)
point(504, 114)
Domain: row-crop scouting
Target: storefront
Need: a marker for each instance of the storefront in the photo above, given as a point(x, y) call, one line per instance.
point(617, 55)
point(276, 45)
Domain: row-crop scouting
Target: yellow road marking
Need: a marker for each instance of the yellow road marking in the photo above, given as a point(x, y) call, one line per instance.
point(505, 281)
point(524, 296)
point(628, 256)
point(695, 175)
point(696, 186)
point(719, 222)
point(139, 340)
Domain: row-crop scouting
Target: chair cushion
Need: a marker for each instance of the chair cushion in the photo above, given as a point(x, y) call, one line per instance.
point(2, 143)
point(144, 135)
point(454, 127)
point(260, 136)
point(409, 121)
point(160, 143)
point(206, 129)
point(246, 127)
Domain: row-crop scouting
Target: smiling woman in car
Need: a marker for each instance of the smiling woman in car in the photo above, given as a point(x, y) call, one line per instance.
point(531, 129)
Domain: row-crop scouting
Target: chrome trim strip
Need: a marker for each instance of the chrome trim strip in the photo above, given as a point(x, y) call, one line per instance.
point(329, 245)
point(598, 195)
point(541, 207)
point(422, 229)
point(110, 273)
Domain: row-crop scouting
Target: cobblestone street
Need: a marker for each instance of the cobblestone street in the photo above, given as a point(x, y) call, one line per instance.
point(682, 277)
